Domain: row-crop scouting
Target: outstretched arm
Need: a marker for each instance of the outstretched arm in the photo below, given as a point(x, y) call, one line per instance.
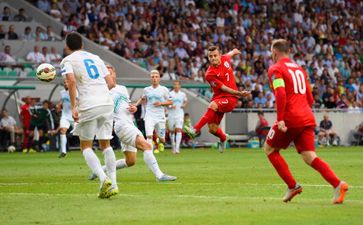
point(234, 52)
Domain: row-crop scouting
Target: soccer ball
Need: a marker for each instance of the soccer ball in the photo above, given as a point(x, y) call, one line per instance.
point(11, 149)
point(46, 72)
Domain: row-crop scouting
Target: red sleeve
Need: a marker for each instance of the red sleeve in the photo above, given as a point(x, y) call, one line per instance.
point(280, 93)
point(227, 58)
point(280, 103)
point(213, 81)
point(309, 95)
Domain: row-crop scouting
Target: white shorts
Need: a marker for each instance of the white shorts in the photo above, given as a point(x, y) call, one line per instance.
point(95, 122)
point(154, 124)
point(127, 132)
point(175, 122)
point(66, 123)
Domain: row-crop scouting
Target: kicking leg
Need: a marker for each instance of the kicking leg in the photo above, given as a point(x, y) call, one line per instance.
point(150, 159)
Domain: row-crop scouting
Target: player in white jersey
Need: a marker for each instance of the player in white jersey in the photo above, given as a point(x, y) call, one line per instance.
point(88, 74)
point(130, 136)
point(176, 116)
point(156, 97)
point(66, 120)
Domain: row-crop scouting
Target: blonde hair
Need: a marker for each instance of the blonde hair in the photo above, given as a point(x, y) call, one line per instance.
point(154, 72)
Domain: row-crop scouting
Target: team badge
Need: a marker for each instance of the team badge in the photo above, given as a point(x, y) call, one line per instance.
point(226, 64)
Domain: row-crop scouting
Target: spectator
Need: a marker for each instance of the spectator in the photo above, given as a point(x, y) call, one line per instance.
point(55, 12)
point(358, 135)
point(260, 100)
point(28, 35)
point(6, 14)
point(2, 33)
point(6, 57)
point(50, 36)
point(47, 58)
point(35, 56)
point(8, 129)
point(326, 130)
point(11, 35)
point(262, 127)
point(44, 5)
point(25, 118)
point(54, 56)
point(20, 17)
point(39, 34)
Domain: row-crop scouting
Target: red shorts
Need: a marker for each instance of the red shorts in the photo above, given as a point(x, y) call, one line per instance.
point(303, 138)
point(225, 104)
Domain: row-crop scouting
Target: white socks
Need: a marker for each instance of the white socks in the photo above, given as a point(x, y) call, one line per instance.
point(178, 141)
point(151, 162)
point(172, 140)
point(120, 164)
point(63, 143)
point(110, 163)
point(94, 163)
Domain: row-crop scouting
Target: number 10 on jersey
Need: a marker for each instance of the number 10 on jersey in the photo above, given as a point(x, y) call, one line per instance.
point(299, 81)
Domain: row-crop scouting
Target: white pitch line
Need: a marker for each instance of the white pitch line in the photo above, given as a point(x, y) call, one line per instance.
point(208, 197)
point(171, 183)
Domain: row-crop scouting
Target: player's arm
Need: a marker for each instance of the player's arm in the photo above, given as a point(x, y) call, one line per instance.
point(67, 72)
point(278, 85)
point(185, 103)
point(234, 92)
point(233, 53)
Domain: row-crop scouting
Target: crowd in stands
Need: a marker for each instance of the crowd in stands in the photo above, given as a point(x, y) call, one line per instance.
point(173, 36)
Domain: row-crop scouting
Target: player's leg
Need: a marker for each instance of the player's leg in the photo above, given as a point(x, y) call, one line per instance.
point(160, 128)
point(150, 159)
point(172, 133)
point(86, 130)
point(149, 130)
point(274, 142)
point(64, 126)
point(178, 138)
point(207, 117)
point(305, 145)
point(104, 135)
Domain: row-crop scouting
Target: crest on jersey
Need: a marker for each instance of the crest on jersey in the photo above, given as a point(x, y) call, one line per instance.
point(273, 77)
point(226, 64)
point(213, 83)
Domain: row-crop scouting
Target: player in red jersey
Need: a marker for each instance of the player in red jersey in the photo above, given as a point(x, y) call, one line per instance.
point(295, 122)
point(220, 76)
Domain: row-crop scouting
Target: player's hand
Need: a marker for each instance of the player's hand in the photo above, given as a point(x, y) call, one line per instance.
point(157, 104)
point(75, 114)
point(244, 93)
point(281, 126)
point(132, 108)
point(174, 107)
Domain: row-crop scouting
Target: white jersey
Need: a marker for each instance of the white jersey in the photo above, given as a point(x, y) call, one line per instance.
point(152, 95)
point(121, 102)
point(66, 105)
point(178, 100)
point(89, 71)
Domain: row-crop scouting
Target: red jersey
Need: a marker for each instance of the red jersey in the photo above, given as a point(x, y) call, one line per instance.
point(221, 75)
point(25, 115)
point(293, 94)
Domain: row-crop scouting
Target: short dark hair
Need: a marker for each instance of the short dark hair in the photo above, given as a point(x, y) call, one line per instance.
point(213, 48)
point(281, 45)
point(74, 41)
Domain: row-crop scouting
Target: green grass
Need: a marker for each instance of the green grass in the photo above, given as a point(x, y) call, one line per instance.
point(237, 187)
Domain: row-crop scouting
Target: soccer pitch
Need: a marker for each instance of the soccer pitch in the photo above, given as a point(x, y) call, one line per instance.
point(237, 187)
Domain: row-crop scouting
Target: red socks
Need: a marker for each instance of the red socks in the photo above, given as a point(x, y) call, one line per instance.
point(222, 136)
point(282, 168)
point(206, 118)
point(326, 172)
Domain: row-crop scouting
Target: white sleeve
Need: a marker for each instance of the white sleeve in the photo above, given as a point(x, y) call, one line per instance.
point(66, 68)
point(144, 93)
point(167, 95)
point(185, 97)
